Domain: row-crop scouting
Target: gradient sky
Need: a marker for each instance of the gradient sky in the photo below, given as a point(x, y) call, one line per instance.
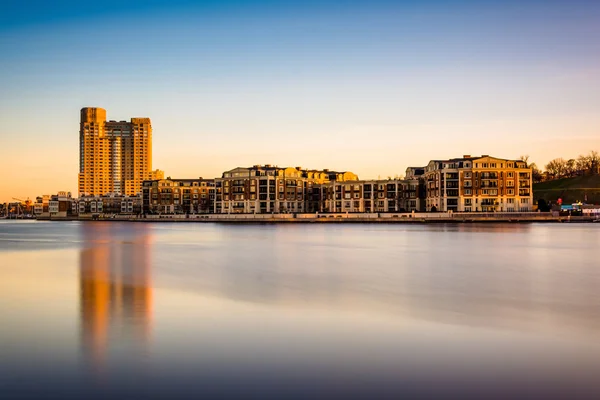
point(371, 86)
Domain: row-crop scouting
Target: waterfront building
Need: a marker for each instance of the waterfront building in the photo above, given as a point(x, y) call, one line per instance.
point(270, 189)
point(389, 195)
point(114, 156)
point(109, 204)
point(178, 196)
point(485, 183)
point(41, 204)
point(60, 205)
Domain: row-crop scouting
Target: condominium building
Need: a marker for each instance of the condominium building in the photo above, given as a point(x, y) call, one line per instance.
point(114, 156)
point(179, 196)
point(390, 195)
point(483, 183)
point(108, 204)
point(41, 205)
point(267, 189)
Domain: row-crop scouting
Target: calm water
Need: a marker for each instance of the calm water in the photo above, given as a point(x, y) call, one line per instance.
point(134, 310)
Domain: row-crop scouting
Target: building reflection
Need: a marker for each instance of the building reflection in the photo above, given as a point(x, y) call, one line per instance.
point(115, 289)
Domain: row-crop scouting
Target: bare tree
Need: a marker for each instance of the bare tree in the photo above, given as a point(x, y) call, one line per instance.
point(593, 162)
point(581, 165)
point(536, 174)
point(570, 168)
point(556, 168)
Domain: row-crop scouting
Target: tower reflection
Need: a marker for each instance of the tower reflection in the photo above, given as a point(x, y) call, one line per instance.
point(115, 289)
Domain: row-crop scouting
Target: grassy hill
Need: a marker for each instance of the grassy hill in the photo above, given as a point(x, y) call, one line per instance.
point(569, 189)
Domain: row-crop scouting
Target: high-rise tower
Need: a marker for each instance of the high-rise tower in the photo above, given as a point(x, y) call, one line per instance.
point(114, 157)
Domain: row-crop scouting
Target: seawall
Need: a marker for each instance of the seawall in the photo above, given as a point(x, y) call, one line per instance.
point(336, 218)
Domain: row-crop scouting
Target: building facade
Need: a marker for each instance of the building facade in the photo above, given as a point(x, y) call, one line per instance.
point(485, 183)
point(109, 204)
point(264, 189)
point(41, 205)
point(114, 156)
point(60, 205)
point(369, 196)
point(178, 196)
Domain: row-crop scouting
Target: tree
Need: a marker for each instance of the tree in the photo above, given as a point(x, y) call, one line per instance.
point(556, 168)
point(593, 162)
point(571, 168)
point(524, 158)
point(536, 174)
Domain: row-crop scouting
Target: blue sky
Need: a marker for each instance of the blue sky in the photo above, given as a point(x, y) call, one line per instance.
point(371, 87)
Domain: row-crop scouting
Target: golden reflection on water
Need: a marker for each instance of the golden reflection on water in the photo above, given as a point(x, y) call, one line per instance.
point(115, 290)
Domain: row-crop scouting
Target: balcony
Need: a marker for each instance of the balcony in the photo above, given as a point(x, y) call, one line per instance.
point(488, 184)
point(488, 202)
point(488, 175)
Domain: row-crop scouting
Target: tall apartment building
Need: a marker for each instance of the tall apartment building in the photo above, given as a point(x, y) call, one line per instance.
point(114, 156)
point(483, 183)
point(266, 189)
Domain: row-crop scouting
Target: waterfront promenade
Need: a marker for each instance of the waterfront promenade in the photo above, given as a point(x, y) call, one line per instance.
point(335, 218)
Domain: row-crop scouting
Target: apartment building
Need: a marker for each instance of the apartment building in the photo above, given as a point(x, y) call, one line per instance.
point(41, 205)
point(272, 189)
point(390, 195)
point(178, 196)
point(485, 183)
point(114, 156)
point(60, 205)
point(109, 204)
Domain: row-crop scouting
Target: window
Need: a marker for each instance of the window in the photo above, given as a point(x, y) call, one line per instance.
point(524, 201)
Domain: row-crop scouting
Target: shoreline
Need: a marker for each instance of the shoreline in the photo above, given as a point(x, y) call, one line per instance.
point(329, 219)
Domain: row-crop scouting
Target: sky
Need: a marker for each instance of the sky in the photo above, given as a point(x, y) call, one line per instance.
point(370, 87)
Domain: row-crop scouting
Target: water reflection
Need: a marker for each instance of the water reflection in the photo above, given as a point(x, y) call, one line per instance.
point(189, 310)
point(115, 289)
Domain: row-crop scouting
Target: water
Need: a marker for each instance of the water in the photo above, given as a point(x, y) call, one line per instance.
point(140, 310)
